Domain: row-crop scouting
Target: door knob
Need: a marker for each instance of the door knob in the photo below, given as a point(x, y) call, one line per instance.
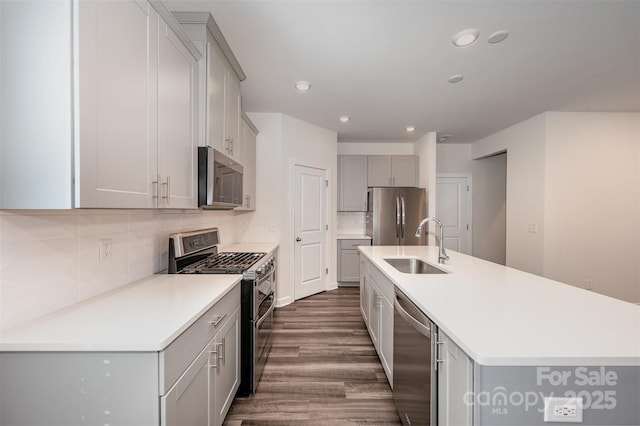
point(298, 239)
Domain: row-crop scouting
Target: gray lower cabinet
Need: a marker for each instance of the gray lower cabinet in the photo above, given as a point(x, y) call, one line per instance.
point(204, 393)
point(455, 381)
point(349, 259)
point(377, 309)
point(455, 367)
point(364, 290)
point(191, 382)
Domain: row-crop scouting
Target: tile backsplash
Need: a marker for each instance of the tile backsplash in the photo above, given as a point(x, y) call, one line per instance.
point(49, 259)
point(351, 223)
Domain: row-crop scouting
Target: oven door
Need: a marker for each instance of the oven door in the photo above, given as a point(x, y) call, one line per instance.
point(262, 337)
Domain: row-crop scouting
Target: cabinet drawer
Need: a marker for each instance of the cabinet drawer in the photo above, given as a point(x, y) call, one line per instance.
point(353, 244)
point(175, 359)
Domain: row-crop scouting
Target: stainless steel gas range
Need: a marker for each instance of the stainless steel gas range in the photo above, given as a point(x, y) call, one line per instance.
point(196, 252)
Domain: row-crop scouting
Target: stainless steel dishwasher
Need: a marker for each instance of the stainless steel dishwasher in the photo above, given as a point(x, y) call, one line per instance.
point(414, 364)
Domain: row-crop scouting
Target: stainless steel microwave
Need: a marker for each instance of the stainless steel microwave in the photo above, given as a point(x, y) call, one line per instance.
point(219, 180)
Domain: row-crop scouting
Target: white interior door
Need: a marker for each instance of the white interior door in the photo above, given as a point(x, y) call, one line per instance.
point(453, 208)
point(309, 231)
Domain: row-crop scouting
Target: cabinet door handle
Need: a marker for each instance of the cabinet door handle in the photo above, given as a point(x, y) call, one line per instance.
point(438, 359)
point(165, 190)
point(168, 191)
point(217, 319)
point(221, 351)
point(157, 190)
point(215, 357)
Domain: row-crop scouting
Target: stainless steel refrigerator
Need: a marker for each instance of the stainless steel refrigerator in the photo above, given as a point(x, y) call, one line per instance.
point(394, 215)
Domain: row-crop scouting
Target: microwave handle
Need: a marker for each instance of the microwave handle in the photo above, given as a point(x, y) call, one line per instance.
point(210, 175)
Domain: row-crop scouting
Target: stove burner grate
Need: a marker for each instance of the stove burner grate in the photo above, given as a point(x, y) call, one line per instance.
point(224, 263)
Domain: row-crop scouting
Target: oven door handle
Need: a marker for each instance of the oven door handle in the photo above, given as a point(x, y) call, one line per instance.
point(266, 276)
point(269, 311)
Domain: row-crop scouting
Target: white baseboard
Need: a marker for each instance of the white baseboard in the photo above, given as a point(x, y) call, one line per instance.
point(284, 301)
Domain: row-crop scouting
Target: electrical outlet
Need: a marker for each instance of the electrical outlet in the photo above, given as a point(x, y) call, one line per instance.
point(104, 250)
point(588, 284)
point(563, 410)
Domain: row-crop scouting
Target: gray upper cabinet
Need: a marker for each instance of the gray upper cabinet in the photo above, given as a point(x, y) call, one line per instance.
point(352, 183)
point(97, 129)
point(248, 134)
point(221, 74)
point(392, 170)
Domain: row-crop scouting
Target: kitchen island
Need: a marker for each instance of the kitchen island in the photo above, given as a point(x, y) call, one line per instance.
point(526, 337)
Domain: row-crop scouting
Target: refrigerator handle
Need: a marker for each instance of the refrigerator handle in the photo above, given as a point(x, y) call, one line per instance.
point(403, 218)
point(397, 217)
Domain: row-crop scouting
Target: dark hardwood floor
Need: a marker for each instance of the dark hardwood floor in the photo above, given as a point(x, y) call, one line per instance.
point(323, 369)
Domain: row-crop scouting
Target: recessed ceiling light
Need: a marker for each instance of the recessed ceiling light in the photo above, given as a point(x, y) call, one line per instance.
point(443, 138)
point(345, 119)
point(465, 37)
point(455, 78)
point(498, 36)
point(303, 86)
point(410, 128)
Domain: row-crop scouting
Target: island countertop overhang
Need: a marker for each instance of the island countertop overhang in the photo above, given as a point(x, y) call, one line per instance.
point(502, 316)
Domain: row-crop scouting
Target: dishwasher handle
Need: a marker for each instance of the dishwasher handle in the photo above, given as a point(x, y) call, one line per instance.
point(410, 313)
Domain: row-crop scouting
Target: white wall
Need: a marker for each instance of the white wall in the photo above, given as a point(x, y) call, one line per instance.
point(375, 148)
point(574, 178)
point(453, 158)
point(591, 202)
point(49, 258)
point(525, 143)
point(282, 142)
point(425, 148)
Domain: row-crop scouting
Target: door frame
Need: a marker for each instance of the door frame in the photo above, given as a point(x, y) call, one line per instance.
point(291, 231)
point(469, 178)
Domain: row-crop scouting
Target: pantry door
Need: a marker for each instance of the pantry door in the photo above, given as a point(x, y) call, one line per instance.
point(310, 231)
point(453, 208)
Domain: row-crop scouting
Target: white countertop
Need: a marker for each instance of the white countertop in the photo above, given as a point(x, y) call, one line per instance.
point(353, 237)
point(146, 315)
point(503, 316)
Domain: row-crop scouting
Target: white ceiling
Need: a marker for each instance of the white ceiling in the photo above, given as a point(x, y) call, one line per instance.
point(386, 63)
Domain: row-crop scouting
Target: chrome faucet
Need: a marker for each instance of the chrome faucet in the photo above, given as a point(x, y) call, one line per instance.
point(442, 255)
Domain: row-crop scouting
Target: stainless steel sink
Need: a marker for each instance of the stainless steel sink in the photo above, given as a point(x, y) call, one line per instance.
point(410, 265)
